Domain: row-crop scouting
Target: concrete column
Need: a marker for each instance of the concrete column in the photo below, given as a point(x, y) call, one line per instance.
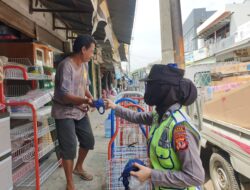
point(175, 7)
point(167, 48)
point(171, 32)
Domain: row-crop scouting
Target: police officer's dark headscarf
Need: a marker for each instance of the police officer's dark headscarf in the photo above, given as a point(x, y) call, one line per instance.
point(166, 86)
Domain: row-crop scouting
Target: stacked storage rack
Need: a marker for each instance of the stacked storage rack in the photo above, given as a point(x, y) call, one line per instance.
point(32, 132)
point(128, 141)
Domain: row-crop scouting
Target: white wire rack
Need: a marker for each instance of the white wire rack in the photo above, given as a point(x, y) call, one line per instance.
point(16, 74)
point(26, 131)
point(44, 148)
point(27, 178)
point(41, 113)
point(23, 171)
point(114, 170)
point(36, 97)
point(26, 152)
point(23, 61)
point(19, 153)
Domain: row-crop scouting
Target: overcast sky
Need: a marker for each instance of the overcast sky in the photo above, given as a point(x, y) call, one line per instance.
point(145, 44)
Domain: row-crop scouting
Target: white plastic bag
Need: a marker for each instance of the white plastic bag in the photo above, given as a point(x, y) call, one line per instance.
point(135, 184)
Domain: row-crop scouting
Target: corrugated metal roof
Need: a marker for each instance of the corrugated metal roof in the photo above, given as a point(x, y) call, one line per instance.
point(121, 14)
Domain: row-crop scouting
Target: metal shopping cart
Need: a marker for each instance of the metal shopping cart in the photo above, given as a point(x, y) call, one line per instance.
point(128, 141)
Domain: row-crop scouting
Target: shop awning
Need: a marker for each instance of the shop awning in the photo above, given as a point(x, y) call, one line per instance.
point(121, 15)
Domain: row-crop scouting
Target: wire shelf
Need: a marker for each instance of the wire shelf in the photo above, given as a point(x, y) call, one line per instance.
point(46, 169)
point(37, 98)
point(114, 170)
point(26, 153)
point(21, 172)
point(23, 61)
point(26, 131)
point(44, 149)
point(41, 114)
point(14, 74)
point(19, 153)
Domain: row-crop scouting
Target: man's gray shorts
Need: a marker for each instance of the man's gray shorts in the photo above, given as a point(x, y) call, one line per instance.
point(68, 130)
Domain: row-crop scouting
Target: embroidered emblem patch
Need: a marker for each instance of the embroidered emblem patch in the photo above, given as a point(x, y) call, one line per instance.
point(180, 138)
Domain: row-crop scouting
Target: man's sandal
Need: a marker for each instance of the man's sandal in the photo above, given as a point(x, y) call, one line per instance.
point(84, 175)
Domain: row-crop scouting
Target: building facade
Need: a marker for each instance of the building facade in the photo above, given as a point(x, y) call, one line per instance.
point(223, 37)
point(194, 20)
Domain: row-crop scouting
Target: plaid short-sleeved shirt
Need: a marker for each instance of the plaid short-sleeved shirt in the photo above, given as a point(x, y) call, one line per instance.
point(70, 79)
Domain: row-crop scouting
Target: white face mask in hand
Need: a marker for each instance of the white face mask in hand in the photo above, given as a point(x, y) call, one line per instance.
point(135, 184)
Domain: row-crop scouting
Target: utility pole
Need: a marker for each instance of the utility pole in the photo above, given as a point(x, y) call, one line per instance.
point(171, 33)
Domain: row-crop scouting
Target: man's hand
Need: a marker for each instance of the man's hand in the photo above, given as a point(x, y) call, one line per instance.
point(143, 174)
point(90, 103)
point(83, 108)
point(109, 104)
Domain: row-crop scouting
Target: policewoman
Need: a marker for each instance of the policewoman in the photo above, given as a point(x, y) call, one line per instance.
point(173, 142)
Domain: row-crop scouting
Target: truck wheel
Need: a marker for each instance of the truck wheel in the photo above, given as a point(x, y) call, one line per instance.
point(222, 173)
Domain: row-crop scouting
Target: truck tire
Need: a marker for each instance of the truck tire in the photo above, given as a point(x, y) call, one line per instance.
point(222, 173)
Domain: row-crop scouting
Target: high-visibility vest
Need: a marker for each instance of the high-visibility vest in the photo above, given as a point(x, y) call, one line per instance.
point(161, 147)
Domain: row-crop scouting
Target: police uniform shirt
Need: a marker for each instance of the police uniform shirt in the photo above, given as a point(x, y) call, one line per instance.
point(192, 172)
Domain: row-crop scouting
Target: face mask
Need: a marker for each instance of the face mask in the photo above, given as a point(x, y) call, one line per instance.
point(152, 95)
point(135, 184)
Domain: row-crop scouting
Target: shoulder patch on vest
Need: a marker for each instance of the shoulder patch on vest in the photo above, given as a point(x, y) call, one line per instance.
point(180, 137)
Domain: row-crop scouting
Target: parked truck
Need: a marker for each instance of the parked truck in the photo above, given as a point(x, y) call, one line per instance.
point(222, 113)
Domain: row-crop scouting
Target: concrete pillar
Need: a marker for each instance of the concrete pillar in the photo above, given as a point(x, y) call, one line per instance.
point(175, 7)
point(167, 48)
point(171, 32)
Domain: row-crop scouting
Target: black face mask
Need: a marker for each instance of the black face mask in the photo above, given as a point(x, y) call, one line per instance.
point(152, 95)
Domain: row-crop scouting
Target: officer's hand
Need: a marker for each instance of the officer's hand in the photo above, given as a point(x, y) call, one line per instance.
point(109, 104)
point(143, 174)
